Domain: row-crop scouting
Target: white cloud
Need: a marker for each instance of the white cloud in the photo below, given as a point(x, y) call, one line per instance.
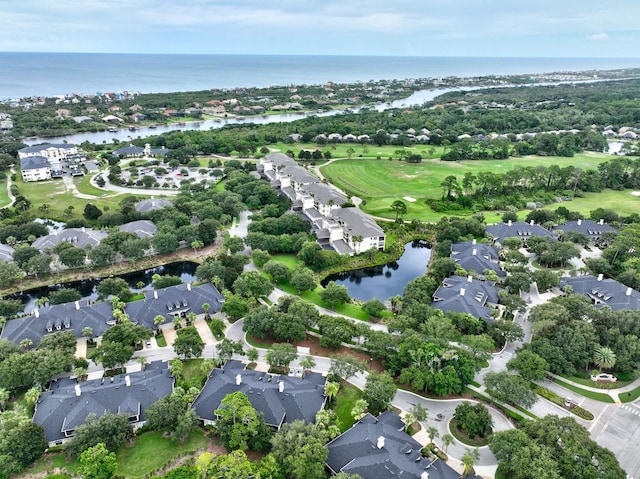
point(600, 37)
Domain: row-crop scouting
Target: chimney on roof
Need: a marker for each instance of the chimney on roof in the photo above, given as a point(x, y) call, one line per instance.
point(36, 312)
point(579, 222)
point(238, 379)
point(78, 390)
point(188, 286)
point(600, 276)
point(469, 279)
point(509, 223)
point(281, 386)
point(127, 380)
point(629, 290)
point(601, 222)
point(473, 241)
point(462, 291)
point(155, 295)
point(532, 222)
point(474, 252)
point(83, 229)
point(380, 442)
point(424, 475)
point(77, 305)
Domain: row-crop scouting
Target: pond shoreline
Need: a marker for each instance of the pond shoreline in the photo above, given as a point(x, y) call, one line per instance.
point(118, 269)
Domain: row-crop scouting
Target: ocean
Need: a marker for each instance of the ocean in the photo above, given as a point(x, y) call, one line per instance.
point(50, 74)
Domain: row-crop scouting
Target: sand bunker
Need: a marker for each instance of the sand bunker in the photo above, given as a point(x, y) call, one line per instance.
point(411, 200)
point(635, 193)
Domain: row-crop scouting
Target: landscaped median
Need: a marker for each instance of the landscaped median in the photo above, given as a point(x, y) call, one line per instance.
point(602, 397)
point(563, 403)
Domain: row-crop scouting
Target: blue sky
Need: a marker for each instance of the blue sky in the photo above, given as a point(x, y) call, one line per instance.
point(556, 28)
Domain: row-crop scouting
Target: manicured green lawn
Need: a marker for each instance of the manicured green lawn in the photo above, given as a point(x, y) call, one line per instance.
point(381, 182)
point(589, 382)
point(622, 202)
point(54, 194)
point(193, 374)
point(630, 396)
point(351, 310)
point(152, 451)
point(4, 197)
point(83, 183)
point(583, 392)
point(359, 151)
point(343, 405)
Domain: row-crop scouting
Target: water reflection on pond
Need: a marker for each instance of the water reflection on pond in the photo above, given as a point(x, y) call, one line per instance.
point(387, 280)
point(138, 281)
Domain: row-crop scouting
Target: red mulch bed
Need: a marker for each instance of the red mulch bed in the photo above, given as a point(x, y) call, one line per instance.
point(316, 350)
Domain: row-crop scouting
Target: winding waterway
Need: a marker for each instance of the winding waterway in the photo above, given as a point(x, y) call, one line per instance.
point(138, 281)
point(383, 282)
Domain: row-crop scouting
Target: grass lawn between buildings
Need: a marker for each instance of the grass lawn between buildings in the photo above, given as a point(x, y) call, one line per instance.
point(349, 309)
point(602, 397)
point(150, 451)
point(380, 182)
point(55, 194)
point(343, 405)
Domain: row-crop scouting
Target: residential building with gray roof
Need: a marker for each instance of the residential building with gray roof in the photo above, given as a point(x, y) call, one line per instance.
point(467, 295)
point(178, 300)
point(79, 237)
point(142, 228)
point(279, 398)
point(518, 229)
point(146, 206)
point(379, 448)
point(72, 317)
point(67, 403)
point(604, 292)
point(593, 230)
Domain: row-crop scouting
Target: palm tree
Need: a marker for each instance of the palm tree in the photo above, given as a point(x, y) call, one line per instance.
point(331, 390)
point(469, 459)
point(26, 343)
point(158, 320)
point(419, 412)
point(604, 357)
point(432, 432)
point(207, 365)
point(357, 239)
point(408, 419)
point(142, 361)
point(307, 362)
point(447, 440)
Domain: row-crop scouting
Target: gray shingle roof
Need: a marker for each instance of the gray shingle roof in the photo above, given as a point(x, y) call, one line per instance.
point(46, 146)
point(323, 194)
point(518, 229)
point(182, 298)
point(604, 292)
point(146, 206)
point(476, 257)
point(6, 252)
point(142, 228)
point(300, 399)
point(299, 175)
point(78, 316)
point(355, 222)
point(60, 408)
point(79, 237)
point(460, 295)
point(357, 451)
point(588, 227)
point(280, 159)
point(33, 163)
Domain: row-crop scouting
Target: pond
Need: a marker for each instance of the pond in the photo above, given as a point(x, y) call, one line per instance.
point(138, 281)
point(387, 280)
